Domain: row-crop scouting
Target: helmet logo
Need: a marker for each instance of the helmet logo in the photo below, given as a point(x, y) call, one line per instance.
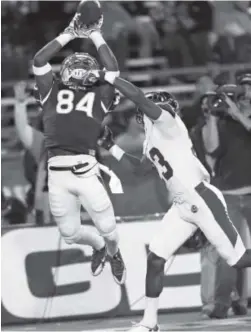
point(78, 73)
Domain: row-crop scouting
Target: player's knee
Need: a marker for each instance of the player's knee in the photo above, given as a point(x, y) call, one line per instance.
point(155, 263)
point(58, 211)
point(102, 202)
point(70, 234)
point(107, 228)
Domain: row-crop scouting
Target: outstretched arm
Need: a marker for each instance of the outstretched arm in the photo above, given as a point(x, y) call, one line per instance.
point(41, 67)
point(133, 93)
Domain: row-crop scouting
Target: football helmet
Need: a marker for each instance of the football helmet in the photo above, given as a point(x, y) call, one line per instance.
point(162, 98)
point(76, 71)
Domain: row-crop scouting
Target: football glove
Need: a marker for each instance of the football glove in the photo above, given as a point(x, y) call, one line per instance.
point(70, 29)
point(105, 140)
point(89, 18)
point(89, 79)
point(196, 242)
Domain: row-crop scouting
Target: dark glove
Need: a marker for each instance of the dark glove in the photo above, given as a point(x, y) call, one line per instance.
point(196, 242)
point(89, 79)
point(105, 140)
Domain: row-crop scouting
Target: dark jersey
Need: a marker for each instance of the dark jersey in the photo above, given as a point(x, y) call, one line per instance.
point(72, 119)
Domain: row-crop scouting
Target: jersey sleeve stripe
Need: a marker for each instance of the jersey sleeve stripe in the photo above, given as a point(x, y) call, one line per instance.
point(104, 107)
point(40, 71)
point(47, 96)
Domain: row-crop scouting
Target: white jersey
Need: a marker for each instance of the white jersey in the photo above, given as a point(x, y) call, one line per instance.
point(168, 145)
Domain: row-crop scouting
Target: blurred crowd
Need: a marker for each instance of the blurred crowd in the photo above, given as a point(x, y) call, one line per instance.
point(189, 33)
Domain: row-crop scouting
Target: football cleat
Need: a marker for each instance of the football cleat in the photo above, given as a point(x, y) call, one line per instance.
point(142, 328)
point(118, 268)
point(98, 261)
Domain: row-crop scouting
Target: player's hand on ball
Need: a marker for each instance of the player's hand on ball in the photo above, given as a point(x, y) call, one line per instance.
point(89, 18)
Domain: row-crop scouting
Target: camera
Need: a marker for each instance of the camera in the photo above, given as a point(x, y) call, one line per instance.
point(216, 102)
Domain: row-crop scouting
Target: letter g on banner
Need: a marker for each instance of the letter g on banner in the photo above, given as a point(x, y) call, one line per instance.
point(27, 277)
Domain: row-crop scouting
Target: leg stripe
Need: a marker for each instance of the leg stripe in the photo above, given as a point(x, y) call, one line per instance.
point(219, 212)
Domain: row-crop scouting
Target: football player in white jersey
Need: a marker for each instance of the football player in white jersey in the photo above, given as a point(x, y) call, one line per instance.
point(196, 203)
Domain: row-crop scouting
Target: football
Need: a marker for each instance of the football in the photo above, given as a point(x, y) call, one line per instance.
point(89, 14)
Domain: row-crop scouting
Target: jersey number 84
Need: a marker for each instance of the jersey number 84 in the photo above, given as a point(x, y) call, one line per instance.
point(65, 102)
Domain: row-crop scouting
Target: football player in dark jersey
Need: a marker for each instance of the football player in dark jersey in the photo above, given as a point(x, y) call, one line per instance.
point(73, 110)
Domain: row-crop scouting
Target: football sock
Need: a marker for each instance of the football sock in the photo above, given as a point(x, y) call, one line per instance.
point(154, 275)
point(112, 241)
point(112, 247)
point(151, 310)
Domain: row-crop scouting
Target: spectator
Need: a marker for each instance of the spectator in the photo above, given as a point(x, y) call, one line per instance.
point(33, 140)
point(233, 32)
point(13, 211)
point(195, 25)
point(187, 42)
point(191, 114)
point(143, 30)
point(116, 28)
point(225, 140)
point(245, 81)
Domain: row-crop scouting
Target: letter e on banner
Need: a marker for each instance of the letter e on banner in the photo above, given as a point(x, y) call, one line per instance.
point(103, 294)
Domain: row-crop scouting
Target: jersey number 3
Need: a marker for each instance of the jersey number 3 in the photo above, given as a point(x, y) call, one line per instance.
point(161, 163)
point(65, 102)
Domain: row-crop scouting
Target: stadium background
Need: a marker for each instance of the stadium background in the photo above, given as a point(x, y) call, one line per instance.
point(52, 279)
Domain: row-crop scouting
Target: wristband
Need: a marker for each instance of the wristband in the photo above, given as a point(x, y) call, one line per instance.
point(110, 76)
point(64, 39)
point(117, 152)
point(97, 39)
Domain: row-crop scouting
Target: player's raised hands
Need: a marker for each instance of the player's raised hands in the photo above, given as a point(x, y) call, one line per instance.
point(88, 18)
point(71, 30)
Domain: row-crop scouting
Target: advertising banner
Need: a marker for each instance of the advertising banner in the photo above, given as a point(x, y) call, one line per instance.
point(44, 278)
